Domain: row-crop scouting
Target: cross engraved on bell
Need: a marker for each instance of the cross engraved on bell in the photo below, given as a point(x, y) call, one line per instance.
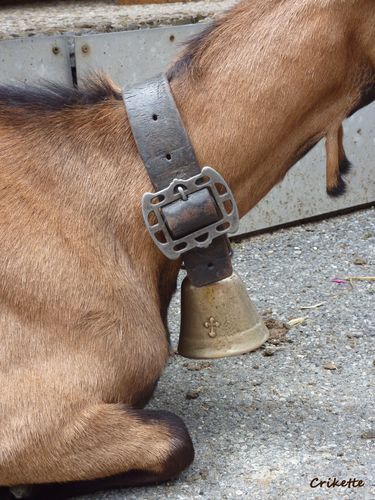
point(211, 324)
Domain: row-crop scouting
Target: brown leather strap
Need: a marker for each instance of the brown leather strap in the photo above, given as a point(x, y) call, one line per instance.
point(208, 265)
point(167, 153)
point(159, 133)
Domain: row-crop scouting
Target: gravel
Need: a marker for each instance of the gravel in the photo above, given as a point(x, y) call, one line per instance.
point(265, 426)
point(100, 16)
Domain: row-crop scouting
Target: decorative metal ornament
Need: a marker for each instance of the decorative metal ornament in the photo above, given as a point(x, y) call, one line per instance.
point(155, 206)
point(219, 320)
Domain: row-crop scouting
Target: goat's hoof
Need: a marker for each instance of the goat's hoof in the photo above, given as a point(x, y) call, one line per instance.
point(20, 492)
point(345, 166)
point(338, 189)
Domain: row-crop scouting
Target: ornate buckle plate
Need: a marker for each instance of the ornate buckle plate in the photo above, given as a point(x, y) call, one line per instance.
point(180, 189)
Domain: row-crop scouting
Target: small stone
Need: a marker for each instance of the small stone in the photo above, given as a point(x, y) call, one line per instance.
point(257, 382)
point(360, 261)
point(368, 434)
point(193, 393)
point(274, 341)
point(194, 477)
point(269, 351)
point(266, 312)
point(203, 474)
point(330, 365)
point(256, 367)
point(276, 327)
point(195, 367)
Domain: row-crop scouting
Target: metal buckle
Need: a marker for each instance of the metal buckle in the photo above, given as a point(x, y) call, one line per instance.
point(152, 204)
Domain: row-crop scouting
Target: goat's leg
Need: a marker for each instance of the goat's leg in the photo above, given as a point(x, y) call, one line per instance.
point(110, 446)
point(336, 162)
point(344, 163)
point(335, 183)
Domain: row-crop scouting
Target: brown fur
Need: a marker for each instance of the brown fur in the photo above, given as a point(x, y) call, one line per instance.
point(83, 290)
point(337, 162)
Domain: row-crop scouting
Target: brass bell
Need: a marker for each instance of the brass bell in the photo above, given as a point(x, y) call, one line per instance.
point(219, 320)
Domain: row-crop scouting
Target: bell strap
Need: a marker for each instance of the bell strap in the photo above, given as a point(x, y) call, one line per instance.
point(159, 133)
point(165, 148)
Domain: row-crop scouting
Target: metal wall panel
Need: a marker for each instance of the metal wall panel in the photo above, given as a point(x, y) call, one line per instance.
point(131, 56)
point(32, 60)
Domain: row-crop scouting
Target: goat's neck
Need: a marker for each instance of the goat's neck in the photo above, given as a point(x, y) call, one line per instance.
point(265, 85)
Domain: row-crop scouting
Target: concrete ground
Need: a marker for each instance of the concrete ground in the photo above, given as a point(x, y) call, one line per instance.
point(267, 423)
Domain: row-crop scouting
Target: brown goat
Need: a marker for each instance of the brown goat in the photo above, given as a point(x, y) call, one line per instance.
point(83, 290)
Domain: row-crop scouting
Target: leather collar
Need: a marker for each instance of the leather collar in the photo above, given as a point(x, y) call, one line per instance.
point(192, 210)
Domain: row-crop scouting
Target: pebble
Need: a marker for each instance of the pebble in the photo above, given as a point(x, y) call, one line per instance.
point(368, 434)
point(330, 366)
point(204, 474)
point(360, 261)
point(193, 393)
point(269, 351)
point(195, 367)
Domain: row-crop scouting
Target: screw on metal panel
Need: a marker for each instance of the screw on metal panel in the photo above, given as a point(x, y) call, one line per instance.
point(171, 38)
point(55, 50)
point(85, 48)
